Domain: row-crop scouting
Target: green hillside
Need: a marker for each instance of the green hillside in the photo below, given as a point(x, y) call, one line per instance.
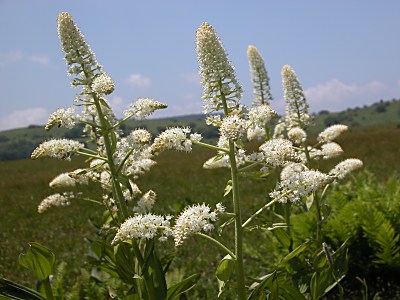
point(19, 143)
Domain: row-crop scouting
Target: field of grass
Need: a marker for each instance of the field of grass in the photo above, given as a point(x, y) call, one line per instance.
point(178, 180)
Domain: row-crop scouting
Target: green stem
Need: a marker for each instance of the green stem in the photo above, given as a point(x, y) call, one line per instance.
point(147, 279)
point(90, 155)
point(236, 207)
point(287, 212)
point(219, 244)
point(47, 289)
point(211, 146)
point(258, 212)
point(117, 192)
point(319, 218)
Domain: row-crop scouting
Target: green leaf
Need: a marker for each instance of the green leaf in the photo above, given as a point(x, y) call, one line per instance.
point(294, 253)
point(182, 286)
point(282, 236)
point(225, 268)
point(39, 260)
point(160, 285)
point(258, 292)
point(12, 290)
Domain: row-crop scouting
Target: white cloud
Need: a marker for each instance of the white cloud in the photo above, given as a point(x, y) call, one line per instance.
point(192, 78)
point(24, 118)
point(15, 55)
point(139, 81)
point(335, 95)
point(117, 104)
point(41, 59)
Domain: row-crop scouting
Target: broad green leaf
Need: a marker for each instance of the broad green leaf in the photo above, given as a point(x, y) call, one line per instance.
point(225, 268)
point(294, 253)
point(282, 236)
point(182, 286)
point(160, 285)
point(258, 293)
point(39, 260)
point(12, 290)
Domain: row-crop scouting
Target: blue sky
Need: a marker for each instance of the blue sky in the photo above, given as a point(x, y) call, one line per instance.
point(345, 52)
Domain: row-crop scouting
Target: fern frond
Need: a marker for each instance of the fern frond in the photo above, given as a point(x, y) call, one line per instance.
point(382, 236)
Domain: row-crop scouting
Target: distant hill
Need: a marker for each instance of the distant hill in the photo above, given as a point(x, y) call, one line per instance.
point(19, 143)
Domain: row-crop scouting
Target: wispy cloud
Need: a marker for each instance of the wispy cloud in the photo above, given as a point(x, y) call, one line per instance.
point(139, 81)
point(117, 104)
point(18, 55)
point(336, 95)
point(24, 118)
point(40, 59)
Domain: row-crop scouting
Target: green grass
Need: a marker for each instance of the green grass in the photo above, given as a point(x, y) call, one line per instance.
point(178, 180)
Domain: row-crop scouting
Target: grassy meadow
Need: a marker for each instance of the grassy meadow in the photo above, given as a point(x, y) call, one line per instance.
point(178, 179)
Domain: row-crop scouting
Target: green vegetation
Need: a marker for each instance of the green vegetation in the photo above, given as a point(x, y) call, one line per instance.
point(180, 181)
point(19, 143)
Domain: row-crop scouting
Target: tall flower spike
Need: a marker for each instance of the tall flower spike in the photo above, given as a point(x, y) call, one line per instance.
point(77, 53)
point(296, 112)
point(259, 77)
point(217, 73)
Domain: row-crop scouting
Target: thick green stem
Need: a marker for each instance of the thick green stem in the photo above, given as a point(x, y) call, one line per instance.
point(117, 192)
point(236, 206)
point(47, 289)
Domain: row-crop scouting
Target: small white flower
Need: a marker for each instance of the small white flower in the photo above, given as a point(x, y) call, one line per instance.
point(330, 150)
point(173, 138)
point(57, 148)
point(332, 132)
point(55, 200)
point(343, 168)
point(103, 84)
point(277, 152)
point(297, 135)
point(217, 73)
point(259, 77)
point(62, 117)
point(62, 180)
point(143, 107)
point(300, 184)
point(194, 219)
point(232, 127)
point(145, 226)
point(146, 202)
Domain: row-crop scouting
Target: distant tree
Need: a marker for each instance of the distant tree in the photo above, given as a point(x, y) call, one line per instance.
point(324, 112)
point(380, 108)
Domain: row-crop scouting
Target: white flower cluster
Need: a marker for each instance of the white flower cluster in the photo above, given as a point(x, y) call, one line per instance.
point(327, 151)
point(174, 138)
point(331, 133)
point(145, 226)
point(258, 118)
point(146, 202)
point(232, 127)
point(78, 55)
point(297, 135)
point(259, 77)
point(300, 184)
point(68, 180)
point(195, 219)
point(345, 167)
point(143, 107)
point(296, 111)
point(277, 152)
point(135, 152)
point(103, 84)
point(217, 74)
point(57, 148)
point(55, 200)
point(62, 117)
